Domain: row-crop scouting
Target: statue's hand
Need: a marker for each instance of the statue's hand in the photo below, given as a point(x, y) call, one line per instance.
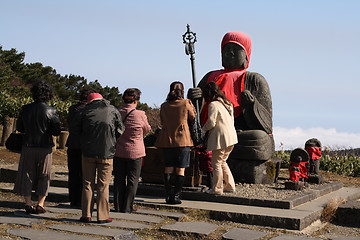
point(194, 93)
point(247, 97)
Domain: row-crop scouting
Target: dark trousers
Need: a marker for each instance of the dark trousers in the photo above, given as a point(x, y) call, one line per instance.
point(75, 176)
point(126, 178)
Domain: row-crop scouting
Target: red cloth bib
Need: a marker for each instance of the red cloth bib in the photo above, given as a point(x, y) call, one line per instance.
point(314, 152)
point(231, 82)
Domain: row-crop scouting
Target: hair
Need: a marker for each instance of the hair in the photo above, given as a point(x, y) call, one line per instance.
point(176, 91)
point(84, 93)
point(131, 95)
point(212, 92)
point(42, 91)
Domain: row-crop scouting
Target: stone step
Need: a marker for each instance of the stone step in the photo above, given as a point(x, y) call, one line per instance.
point(348, 214)
point(288, 203)
point(297, 218)
point(59, 180)
point(59, 229)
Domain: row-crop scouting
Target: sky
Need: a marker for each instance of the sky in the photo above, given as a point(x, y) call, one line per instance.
point(307, 50)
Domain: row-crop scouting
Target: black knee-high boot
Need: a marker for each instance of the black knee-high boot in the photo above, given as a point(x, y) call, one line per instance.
point(167, 183)
point(179, 181)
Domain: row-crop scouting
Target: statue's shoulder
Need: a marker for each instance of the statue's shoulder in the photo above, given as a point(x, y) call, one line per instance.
point(203, 81)
point(254, 76)
point(255, 79)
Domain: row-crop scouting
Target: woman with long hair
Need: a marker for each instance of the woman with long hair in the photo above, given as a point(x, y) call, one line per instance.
point(221, 137)
point(175, 139)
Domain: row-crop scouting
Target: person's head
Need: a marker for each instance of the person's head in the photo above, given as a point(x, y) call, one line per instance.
point(84, 93)
point(212, 92)
point(176, 91)
point(42, 91)
point(235, 50)
point(93, 96)
point(131, 95)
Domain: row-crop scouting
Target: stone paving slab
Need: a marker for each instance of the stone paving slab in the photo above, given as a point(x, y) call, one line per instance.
point(343, 238)
point(47, 215)
point(198, 228)
point(101, 231)
point(173, 215)
point(64, 210)
point(135, 217)
point(293, 237)
point(117, 215)
point(19, 220)
point(243, 234)
point(46, 235)
point(114, 223)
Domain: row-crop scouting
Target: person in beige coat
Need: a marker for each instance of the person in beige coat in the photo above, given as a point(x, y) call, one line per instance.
point(175, 139)
point(221, 137)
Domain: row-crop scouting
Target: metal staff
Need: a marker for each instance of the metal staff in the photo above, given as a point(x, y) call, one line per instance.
point(189, 38)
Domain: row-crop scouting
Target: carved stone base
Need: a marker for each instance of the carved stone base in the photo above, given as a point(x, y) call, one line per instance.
point(315, 178)
point(254, 171)
point(153, 169)
point(295, 185)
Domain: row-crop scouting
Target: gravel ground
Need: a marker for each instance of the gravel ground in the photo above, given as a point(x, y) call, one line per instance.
point(267, 191)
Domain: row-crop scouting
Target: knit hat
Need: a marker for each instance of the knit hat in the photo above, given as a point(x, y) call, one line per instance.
point(94, 96)
point(241, 39)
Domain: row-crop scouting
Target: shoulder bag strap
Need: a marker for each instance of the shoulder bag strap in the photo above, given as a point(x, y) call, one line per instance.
point(128, 115)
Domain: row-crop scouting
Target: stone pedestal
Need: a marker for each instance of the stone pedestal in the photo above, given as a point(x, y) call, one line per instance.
point(62, 139)
point(295, 185)
point(153, 169)
point(315, 178)
point(254, 171)
point(251, 160)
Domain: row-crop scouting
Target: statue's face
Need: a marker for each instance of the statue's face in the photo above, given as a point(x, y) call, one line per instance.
point(233, 56)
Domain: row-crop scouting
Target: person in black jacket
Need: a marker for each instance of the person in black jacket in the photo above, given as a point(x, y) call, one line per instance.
point(99, 124)
point(39, 122)
point(74, 152)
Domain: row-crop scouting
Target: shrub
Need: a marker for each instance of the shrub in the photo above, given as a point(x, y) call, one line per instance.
point(284, 156)
point(347, 165)
point(331, 161)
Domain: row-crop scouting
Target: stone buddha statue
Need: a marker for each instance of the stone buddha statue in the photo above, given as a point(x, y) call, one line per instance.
point(250, 95)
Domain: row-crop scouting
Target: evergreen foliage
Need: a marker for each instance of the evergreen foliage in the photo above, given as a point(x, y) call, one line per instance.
point(332, 161)
point(16, 78)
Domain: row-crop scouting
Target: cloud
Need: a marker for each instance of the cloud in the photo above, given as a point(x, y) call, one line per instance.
point(292, 138)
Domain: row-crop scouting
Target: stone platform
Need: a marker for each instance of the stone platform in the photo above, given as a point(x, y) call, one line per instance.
point(296, 213)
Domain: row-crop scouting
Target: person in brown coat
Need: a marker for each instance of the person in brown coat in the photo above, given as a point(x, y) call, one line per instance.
point(175, 139)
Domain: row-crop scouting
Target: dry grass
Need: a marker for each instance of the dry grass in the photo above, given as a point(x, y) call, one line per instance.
point(330, 208)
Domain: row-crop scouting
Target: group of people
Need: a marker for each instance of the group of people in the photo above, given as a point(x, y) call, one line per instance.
point(105, 140)
point(110, 141)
